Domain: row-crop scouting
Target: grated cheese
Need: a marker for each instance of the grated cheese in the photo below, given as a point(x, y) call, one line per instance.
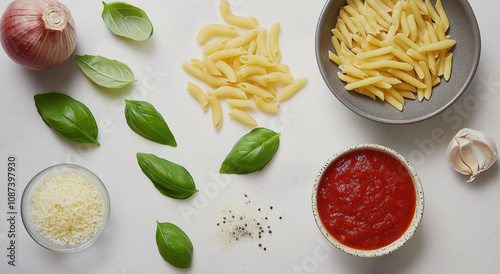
point(67, 208)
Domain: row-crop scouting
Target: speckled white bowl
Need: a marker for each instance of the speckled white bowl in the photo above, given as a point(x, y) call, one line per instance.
point(417, 217)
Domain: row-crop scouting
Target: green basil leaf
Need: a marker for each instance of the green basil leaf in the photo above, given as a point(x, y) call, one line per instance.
point(174, 245)
point(127, 21)
point(146, 121)
point(68, 117)
point(252, 152)
point(170, 179)
point(105, 72)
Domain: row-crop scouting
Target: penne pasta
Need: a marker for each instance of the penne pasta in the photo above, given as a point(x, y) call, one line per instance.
point(271, 87)
point(419, 71)
point(376, 91)
point(262, 42)
point(213, 80)
point(281, 77)
point(227, 70)
point(383, 64)
point(216, 110)
point(259, 60)
point(212, 30)
point(447, 66)
point(441, 45)
point(242, 116)
point(364, 82)
point(427, 80)
point(406, 87)
point(245, 69)
point(226, 53)
point(197, 63)
point(379, 10)
point(407, 78)
point(252, 47)
point(243, 39)
point(240, 103)
point(395, 103)
point(416, 55)
point(346, 78)
point(418, 17)
point(349, 22)
point(196, 72)
point(279, 68)
point(375, 53)
point(365, 92)
point(442, 15)
point(240, 21)
point(291, 88)
point(345, 33)
point(215, 46)
point(198, 93)
point(265, 106)
point(337, 34)
point(231, 92)
point(405, 27)
point(272, 42)
point(210, 66)
point(255, 90)
point(359, 26)
point(407, 94)
point(256, 78)
point(432, 12)
point(393, 93)
point(396, 14)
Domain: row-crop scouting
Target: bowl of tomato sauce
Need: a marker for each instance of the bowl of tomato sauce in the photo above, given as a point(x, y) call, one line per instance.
point(367, 200)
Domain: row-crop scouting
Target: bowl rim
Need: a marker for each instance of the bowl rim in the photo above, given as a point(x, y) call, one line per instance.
point(361, 112)
point(417, 217)
point(95, 180)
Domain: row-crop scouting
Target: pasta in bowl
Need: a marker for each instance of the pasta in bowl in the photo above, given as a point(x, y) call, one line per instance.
point(378, 55)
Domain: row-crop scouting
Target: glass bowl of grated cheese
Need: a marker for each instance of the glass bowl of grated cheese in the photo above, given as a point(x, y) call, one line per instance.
point(65, 208)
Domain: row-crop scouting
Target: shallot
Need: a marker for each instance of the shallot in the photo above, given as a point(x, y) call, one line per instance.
point(38, 34)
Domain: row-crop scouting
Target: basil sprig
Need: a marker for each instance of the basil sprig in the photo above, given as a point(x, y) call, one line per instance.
point(68, 117)
point(170, 179)
point(252, 152)
point(105, 72)
point(127, 21)
point(146, 121)
point(174, 245)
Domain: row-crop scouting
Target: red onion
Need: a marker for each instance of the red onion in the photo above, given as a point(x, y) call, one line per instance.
point(38, 34)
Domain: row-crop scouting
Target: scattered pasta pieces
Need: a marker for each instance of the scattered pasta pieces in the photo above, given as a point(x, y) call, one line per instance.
point(244, 69)
point(392, 49)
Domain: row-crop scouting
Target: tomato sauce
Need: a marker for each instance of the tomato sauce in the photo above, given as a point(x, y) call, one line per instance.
point(366, 199)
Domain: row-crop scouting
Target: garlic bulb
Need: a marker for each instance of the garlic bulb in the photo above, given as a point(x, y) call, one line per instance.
point(470, 152)
point(38, 34)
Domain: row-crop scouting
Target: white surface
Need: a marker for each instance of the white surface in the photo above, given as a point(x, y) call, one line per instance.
point(459, 232)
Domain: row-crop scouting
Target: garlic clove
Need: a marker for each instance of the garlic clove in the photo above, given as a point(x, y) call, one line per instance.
point(489, 149)
point(455, 159)
point(471, 152)
point(469, 157)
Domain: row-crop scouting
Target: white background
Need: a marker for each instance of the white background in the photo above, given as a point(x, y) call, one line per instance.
point(460, 229)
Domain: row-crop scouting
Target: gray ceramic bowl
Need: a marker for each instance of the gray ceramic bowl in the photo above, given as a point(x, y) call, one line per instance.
point(463, 28)
point(417, 217)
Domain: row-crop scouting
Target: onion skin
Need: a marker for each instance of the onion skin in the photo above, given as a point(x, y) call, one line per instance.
point(31, 40)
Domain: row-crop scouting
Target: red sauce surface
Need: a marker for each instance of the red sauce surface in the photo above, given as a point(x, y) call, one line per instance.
point(366, 199)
